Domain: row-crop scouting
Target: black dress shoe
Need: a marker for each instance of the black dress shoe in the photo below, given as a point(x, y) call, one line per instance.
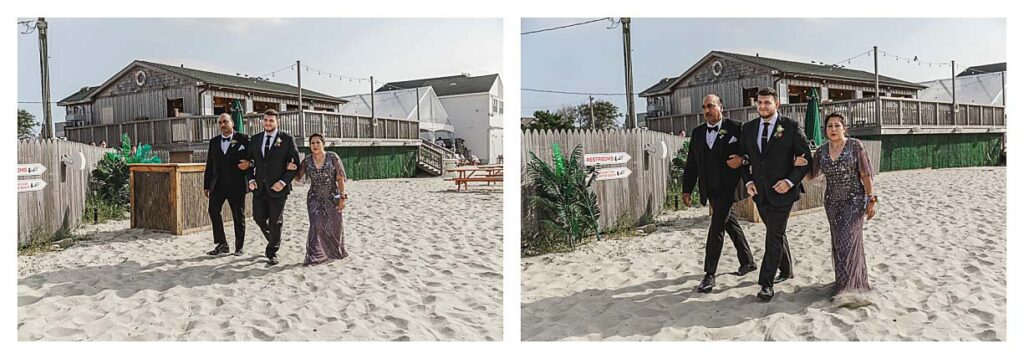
point(238, 252)
point(781, 278)
point(706, 284)
point(219, 250)
point(272, 261)
point(746, 269)
point(766, 294)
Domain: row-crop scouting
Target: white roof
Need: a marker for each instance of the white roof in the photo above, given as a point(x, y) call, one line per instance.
point(402, 104)
point(983, 89)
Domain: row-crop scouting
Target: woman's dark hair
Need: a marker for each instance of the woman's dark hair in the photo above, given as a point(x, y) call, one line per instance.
point(842, 119)
point(317, 135)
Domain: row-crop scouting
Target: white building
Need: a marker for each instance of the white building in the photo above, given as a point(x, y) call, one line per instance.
point(981, 85)
point(475, 107)
point(420, 104)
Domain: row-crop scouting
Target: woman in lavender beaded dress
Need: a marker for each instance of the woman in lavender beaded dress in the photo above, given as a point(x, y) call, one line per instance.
point(325, 202)
point(848, 202)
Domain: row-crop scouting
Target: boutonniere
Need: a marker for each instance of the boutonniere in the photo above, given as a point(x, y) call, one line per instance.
point(278, 142)
point(778, 131)
point(233, 142)
point(722, 133)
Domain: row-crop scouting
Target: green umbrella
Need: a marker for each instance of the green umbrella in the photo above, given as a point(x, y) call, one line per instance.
point(812, 122)
point(237, 116)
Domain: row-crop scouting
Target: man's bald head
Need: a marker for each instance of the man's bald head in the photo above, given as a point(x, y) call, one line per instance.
point(712, 108)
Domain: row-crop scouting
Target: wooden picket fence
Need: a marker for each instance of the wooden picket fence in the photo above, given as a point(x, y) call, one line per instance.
point(629, 201)
point(58, 206)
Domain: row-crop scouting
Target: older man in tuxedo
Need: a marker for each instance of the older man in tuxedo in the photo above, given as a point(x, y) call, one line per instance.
point(224, 180)
point(711, 145)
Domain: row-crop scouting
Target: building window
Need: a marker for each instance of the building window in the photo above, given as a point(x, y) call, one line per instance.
point(501, 107)
point(261, 107)
point(175, 106)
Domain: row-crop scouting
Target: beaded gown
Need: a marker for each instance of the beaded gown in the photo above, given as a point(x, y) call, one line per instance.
point(326, 239)
point(845, 206)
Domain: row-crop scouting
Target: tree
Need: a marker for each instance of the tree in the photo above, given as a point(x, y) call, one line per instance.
point(26, 124)
point(544, 120)
point(605, 114)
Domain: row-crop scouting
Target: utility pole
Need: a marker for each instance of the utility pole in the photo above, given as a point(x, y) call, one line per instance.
point(593, 125)
point(373, 112)
point(302, 117)
point(417, 104)
point(1002, 77)
point(878, 92)
point(952, 70)
point(44, 69)
point(627, 53)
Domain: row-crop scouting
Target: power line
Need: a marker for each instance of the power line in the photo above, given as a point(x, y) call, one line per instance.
point(575, 93)
point(334, 75)
point(567, 26)
point(272, 73)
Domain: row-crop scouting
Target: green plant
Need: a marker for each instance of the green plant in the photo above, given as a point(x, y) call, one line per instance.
point(675, 184)
point(108, 186)
point(567, 210)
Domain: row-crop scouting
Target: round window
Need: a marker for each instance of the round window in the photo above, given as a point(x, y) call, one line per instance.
point(140, 78)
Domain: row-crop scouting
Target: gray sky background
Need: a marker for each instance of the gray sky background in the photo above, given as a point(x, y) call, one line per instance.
point(87, 52)
point(588, 58)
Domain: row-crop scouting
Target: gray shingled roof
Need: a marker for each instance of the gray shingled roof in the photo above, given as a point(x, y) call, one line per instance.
point(447, 85)
point(793, 67)
point(241, 82)
point(658, 87)
point(983, 69)
point(78, 96)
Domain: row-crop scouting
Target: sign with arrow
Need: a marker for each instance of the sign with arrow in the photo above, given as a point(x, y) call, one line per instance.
point(31, 169)
point(31, 185)
point(613, 158)
point(611, 173)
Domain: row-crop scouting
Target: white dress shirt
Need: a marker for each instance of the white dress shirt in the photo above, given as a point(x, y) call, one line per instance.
point(268, 137)
point(709, 136)
point(225, 144)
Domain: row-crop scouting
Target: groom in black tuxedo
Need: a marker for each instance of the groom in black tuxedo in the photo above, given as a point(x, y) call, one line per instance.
point(270, 153)
point(771, 143)
point(224, 180)
point(711, 145)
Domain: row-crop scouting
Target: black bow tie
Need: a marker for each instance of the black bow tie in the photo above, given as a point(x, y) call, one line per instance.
point(225, 139)
point(713, 129)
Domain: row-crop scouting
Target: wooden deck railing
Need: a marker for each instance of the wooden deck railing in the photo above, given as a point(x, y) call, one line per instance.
point(196, 129)
point(896, 113)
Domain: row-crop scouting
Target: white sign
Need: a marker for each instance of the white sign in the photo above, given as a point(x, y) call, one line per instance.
point(614, 158)
point(612, 173)
point(31, 185)
point(31, 169)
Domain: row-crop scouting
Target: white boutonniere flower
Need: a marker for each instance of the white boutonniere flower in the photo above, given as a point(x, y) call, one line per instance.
point(778, 131)
point(722, 133)
point(233, 142)
point(278, 142)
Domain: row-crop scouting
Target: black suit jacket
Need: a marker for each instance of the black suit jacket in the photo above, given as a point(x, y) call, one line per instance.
point(223, 169)
point(776, 163)
point(707, 167)
point(272, 167)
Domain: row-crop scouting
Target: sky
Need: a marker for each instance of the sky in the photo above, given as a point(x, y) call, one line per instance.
point(589, 58)
point(87, 52)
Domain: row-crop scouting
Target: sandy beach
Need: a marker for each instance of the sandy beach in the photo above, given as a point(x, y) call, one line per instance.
point(936, 254)
point(414, 273)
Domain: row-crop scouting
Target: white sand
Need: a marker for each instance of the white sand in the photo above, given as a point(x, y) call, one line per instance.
point(936, 254)
point(414, 273)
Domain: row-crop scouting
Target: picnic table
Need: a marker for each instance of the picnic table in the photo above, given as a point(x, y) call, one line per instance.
point(490, 174)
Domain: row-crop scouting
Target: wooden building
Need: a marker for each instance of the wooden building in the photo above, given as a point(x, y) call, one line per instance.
point(175, 109)
point(914, 133)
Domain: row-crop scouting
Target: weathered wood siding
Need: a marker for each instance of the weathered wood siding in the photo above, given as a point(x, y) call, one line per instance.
point(60, 205)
